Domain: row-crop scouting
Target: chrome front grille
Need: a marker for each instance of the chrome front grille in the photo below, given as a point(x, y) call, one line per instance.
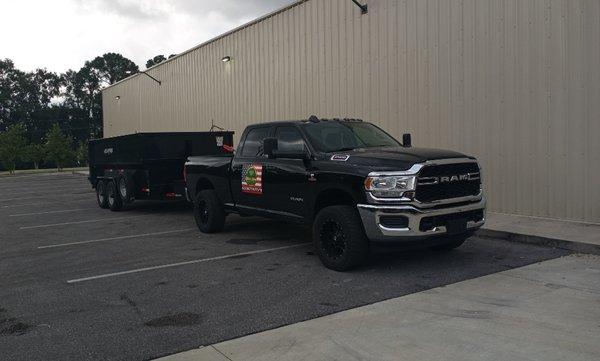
point(447, 181)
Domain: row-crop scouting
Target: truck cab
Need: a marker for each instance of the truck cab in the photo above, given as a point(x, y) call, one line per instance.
point(350, 180)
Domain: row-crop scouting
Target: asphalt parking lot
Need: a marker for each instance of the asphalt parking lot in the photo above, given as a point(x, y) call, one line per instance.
point(80, 282)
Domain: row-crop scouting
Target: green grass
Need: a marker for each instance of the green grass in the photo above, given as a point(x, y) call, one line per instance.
point(42, 171)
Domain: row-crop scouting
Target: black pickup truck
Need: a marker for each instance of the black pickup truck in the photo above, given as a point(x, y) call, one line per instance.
point(352, 181)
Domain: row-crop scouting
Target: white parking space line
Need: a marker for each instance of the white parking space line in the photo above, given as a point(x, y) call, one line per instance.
point(138, 270)
point(41, 176)
point(18, 199)
point(85, 193)
point(80, 222)
point(51, 212)
point(116, 238)
point(43, 194)
point(46, 190)
point(29, 204)
point(47, 203)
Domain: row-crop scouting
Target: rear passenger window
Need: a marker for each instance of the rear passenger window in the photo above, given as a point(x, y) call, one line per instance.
point(253, 146)
point(290, 140)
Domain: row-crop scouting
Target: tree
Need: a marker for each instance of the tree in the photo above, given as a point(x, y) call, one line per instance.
point(35, 153)
point(36, 100)
point(83, 88)
point(58, 148)
point(82, 154)
point(156, 60)
point(24, 95)
point(110, 68)
point(12, 146)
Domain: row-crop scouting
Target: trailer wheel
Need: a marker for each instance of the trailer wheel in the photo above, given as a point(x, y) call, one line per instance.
point(114, 199)
point(208, 212)
point(339, 237)
point(125, 189)
point(101, 196)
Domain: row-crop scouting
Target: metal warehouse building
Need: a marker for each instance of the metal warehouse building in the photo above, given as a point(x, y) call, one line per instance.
point(514, 82)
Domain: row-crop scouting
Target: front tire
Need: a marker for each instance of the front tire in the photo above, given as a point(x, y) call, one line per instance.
point(209, 212)
point(101, 196)
point(115, 203)
point(339, 238)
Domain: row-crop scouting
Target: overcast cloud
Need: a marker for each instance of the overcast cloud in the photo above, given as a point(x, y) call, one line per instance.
point(63, 34)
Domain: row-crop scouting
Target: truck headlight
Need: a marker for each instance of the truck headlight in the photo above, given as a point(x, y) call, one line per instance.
point(390, 186)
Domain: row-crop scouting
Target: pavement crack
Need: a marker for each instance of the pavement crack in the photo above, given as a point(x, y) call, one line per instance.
point(219, 351)
point(130, 302)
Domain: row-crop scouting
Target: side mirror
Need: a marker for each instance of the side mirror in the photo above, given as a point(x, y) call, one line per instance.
point(406, 140)
point(269, 146)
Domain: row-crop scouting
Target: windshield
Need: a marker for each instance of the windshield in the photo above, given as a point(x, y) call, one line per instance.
point(335, 136)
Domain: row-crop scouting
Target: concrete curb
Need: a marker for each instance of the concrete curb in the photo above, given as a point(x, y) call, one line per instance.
point(579, 247)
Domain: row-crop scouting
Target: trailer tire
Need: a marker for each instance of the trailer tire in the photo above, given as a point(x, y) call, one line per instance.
point(339, 238)
point(101, 195)
point(209, 212)
point(115, 203)
point(125, 186)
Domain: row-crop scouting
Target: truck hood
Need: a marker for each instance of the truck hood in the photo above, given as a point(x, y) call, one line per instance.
point(393, 158)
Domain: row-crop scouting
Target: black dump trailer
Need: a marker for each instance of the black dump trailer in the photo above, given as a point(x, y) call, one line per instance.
point(148, 165)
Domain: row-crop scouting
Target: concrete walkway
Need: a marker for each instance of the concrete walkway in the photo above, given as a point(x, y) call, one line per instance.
point(575, 236)
point(545, 311)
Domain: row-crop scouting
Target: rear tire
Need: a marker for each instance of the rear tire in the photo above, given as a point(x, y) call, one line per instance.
point(101, 196)
point(209, 212)
point(452, 242)
point(339, 238)
point(125, 189)
point(115, 203)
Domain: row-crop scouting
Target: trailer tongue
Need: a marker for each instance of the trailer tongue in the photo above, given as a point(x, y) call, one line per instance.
point(148, 165)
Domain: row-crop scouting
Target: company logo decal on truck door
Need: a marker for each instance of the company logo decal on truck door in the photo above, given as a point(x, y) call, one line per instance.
point(252, 178)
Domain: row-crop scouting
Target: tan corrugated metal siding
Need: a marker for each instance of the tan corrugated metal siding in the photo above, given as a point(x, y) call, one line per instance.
point(513, 82)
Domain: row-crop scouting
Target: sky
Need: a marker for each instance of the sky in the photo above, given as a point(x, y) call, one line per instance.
point(62, 34)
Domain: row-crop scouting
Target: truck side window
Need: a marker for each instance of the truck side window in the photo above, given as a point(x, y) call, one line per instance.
point(253, 145)
point(290, 140)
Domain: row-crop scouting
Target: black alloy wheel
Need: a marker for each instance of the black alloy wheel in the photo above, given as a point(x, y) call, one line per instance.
point(333, 239)
point(339, 237)
point(209, 212)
